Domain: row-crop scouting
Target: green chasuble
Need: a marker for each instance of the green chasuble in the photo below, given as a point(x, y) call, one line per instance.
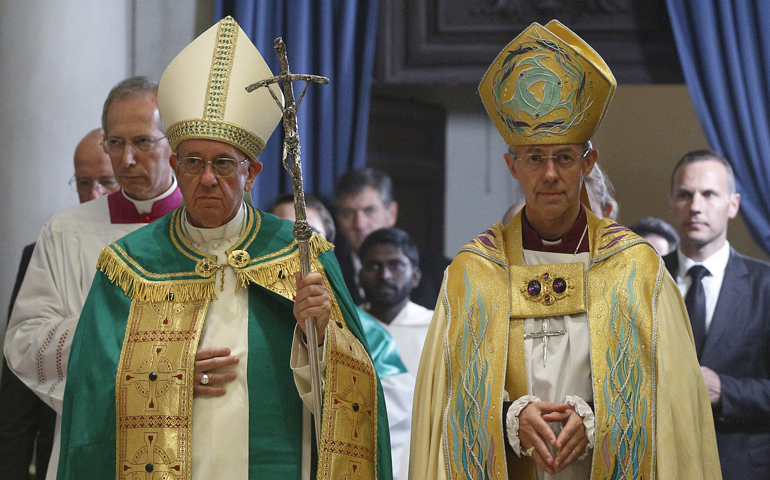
point(128, 401)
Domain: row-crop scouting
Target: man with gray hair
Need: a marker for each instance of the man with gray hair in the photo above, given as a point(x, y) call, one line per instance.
point(601, 194)
point(560, 348)
point(93, 169)
point(61, 270)
point(196, 323)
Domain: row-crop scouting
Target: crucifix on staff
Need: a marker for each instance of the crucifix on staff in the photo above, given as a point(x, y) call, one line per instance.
point(293, 164)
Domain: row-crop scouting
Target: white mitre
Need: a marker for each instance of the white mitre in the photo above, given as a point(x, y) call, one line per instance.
point(202, 93)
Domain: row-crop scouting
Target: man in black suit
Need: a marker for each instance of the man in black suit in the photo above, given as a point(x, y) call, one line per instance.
point(728, 299)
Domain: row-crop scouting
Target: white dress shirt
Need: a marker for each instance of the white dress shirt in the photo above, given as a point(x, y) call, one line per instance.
point(712, 284)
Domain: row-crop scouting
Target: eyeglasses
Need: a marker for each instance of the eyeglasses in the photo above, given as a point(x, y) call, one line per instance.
point(222, 167)
point(536, 161)
point(87, 184)
point(114, 146)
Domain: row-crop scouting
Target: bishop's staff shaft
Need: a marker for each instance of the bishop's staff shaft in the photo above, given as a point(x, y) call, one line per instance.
point(302, 230)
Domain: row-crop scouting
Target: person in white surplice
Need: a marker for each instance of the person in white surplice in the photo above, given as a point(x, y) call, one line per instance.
point(63, 263)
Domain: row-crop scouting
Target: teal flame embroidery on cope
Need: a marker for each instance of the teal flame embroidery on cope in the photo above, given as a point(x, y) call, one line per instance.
point(566, 92)
point(623, 449)
point(474, 447)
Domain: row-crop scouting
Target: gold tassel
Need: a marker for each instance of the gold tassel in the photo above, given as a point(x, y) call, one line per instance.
point(318, 245)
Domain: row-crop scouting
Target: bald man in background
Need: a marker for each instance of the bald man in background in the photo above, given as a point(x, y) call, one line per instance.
point(93, 170)
point(26, 421)
point(61, 268)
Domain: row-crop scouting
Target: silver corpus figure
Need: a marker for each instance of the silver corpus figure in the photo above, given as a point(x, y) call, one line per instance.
point(293, 164)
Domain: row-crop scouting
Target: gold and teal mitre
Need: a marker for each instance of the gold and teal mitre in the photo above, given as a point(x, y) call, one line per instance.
point(547, 87)
point(202, 94)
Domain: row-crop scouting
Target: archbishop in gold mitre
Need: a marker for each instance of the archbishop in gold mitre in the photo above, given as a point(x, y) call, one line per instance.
point(188, 360)
point(547, 87)
point(561, 347)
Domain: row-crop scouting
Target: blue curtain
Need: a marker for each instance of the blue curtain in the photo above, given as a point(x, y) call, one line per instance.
point(724, 47)
point(333, 38)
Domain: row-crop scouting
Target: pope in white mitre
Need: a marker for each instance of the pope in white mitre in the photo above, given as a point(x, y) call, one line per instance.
point(190, 359)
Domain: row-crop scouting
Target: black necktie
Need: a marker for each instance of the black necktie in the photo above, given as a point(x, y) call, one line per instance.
point(695, 301)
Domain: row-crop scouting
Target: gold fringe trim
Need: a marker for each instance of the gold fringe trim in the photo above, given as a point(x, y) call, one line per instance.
point(138, 288)
point(318, 245)
point(267, 274)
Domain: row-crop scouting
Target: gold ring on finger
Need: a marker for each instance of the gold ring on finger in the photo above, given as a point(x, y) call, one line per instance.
point(528, 452)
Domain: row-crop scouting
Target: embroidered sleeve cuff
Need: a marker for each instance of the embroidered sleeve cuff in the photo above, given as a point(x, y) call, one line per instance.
point(512, 420)
point(589, 420)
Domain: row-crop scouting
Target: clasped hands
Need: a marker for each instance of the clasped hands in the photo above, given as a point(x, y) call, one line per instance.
point(312, 300)
point(535, 431)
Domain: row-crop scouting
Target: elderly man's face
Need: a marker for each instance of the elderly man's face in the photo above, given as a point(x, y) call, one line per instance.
point(213, 200)
point(362, 213)
point(142, 174)
point(93, 170)
point(552, 192)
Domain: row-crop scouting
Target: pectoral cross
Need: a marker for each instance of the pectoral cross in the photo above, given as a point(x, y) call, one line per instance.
point(544, 333)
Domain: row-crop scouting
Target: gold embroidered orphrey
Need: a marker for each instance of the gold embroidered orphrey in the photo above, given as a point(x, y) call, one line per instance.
point(154, 391)
point(154, 401)
point(623, 289)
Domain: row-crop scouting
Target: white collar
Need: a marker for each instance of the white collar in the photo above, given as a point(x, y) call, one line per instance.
point(145, 206)
point(715, 264)
point(227, 232)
